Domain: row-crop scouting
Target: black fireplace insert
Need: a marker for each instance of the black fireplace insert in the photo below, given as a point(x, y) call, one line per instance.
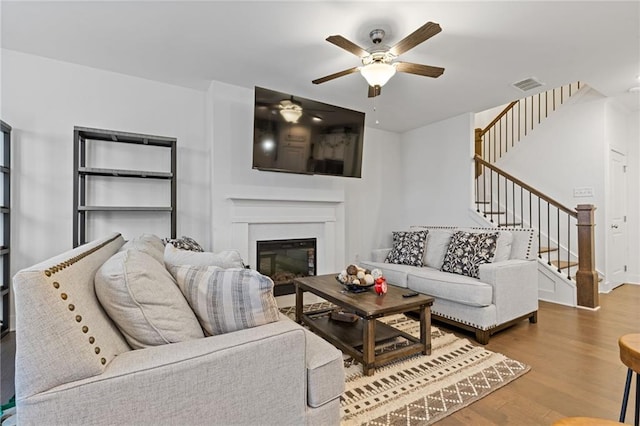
point(284, 260)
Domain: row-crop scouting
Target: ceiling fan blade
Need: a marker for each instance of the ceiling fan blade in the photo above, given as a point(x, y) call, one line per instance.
point(347, 45)
point(335, 75)
point(425, 70)
point(374, 91)
point(423, 33)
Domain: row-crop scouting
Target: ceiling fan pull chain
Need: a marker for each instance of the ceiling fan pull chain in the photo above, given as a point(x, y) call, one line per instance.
point(375, 110)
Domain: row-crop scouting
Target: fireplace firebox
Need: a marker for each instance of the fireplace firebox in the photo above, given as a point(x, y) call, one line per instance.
point(284, 260)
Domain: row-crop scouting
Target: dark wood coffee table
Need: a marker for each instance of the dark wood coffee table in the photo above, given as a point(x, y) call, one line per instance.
point(359, 339)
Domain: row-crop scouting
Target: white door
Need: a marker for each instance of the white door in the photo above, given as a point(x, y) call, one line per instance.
point(617, 252)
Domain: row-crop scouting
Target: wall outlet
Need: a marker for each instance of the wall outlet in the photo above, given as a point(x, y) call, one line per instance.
point(585, 191)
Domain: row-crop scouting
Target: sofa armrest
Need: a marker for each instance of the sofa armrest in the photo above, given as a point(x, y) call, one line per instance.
point(379, 255)
point(515, 287)
point(252, 376)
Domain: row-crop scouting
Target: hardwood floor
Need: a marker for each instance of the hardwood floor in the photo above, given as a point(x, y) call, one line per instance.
point(575, 365)
point(7, 366)
point(573, 354)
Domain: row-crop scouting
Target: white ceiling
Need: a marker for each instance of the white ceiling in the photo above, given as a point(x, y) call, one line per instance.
point(484, 47)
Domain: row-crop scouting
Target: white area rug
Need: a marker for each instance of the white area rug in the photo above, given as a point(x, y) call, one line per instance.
point(421, 390)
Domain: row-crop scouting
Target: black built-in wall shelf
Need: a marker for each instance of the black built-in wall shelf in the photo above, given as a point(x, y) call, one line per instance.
point(5, 241)
point(82, 135)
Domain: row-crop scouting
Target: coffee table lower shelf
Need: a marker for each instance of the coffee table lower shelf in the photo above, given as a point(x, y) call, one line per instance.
point(349, 338)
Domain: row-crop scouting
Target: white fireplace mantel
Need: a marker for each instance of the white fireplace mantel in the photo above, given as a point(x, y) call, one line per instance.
point(296, 214)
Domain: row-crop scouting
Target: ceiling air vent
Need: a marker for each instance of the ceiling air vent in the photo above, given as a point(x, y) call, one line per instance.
point(527, 84)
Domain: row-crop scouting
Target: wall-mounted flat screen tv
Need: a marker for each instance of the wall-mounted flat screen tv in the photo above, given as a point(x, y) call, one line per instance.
point(297, 135)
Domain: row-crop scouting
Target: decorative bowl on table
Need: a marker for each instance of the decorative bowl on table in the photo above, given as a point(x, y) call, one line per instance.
point(355, 288)
point(357, 279)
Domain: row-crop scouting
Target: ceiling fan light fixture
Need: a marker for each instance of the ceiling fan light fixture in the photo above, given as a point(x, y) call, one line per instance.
point(290, 112)
point(377, 73)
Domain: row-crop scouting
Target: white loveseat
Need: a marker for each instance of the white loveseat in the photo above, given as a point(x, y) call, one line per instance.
point(506, 290)
point(75, 367)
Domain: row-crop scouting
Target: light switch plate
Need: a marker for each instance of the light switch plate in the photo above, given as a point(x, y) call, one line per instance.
point(585, 191)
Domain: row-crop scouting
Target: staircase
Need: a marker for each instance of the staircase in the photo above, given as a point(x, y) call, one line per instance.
point(565, 235)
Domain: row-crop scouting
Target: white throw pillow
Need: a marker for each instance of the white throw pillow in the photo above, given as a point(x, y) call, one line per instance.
point(437, 244)
point(147, 243)
point(226, 300)
point(143, 300)
point(224, 259)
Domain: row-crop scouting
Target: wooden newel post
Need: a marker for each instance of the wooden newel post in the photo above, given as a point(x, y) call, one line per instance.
point(478, 150)
point(586, 277)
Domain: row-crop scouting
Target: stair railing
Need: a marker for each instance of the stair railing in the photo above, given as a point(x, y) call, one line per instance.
point(517, 120)
point(507, 201)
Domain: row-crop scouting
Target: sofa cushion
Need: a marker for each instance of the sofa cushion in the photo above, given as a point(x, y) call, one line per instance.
point(143, 300)
point(437, 243)
point(395, 274)
point(226, 300)
point(468, 250)
point(454, 287)
point(525, 244)
point(408, 247)
point(147, 243)
point(325, 371)
point(225, 259)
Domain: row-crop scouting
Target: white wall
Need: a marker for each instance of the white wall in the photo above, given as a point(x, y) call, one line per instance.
point(437, 168)
point(43, 100)
point(369, 201)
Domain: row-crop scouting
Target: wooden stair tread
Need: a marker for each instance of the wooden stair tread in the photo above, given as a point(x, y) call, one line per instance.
point(563, 264)
point(547, 249)
point(492, 212)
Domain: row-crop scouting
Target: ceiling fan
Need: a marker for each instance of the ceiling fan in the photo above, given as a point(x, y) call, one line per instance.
point(379, 61)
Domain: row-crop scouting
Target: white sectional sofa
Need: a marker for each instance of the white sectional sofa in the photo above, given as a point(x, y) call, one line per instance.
point(505, 291)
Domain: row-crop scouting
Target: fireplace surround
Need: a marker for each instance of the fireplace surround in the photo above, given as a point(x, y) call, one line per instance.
point(285, 213)
point(284, 260)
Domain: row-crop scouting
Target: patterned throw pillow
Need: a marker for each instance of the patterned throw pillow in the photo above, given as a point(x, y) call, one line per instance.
point(468, 250)
point(226, 300)
point(184, 243)
point(408, 247)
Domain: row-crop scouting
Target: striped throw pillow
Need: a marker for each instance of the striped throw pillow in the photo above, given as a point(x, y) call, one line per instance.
point(226, 300)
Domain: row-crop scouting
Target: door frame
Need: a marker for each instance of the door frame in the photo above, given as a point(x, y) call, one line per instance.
point(606, 285)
